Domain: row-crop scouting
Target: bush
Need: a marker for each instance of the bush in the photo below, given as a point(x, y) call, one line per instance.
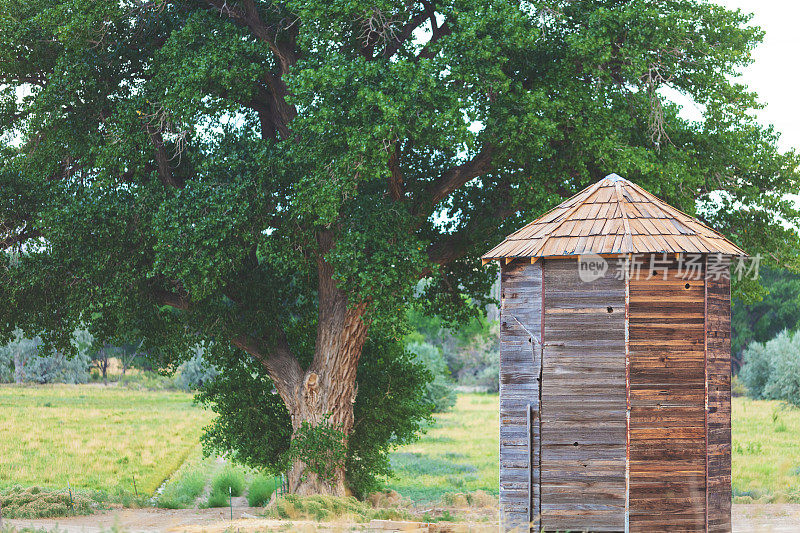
point(34, 502)
point(756, 369)
point(229, 478)
point(20, 361)
point(218, 499)
point(182, 491)
point(738, 387)
point(772, 370)
point(195, 372)
point(441, 391)
point(260, 491)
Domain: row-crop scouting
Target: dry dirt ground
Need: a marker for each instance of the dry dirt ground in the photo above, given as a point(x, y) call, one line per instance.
point(766, 518)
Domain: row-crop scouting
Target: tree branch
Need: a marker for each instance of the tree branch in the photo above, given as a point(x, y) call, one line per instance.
point(438, 33)
point(405, 33)
point(453, 246)
point(15, 239)
point(396, 191)
point(453, 179)
point(270, 103)
point(246, 15)
point(282, 366)
point(163, 167)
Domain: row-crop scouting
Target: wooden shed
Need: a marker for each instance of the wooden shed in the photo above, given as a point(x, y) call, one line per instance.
point(615, 368)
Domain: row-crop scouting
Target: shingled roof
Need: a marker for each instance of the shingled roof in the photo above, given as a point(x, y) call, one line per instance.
point(613, 216)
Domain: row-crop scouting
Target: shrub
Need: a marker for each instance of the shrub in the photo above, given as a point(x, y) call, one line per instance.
point(195, 372)
point(21, 361)
point(772, 370)
point(184, 490)
point(34, 502)
point(756, 370)
point(260, 491)
point(229, 478)
point(218, 499)
point(738, 387)
point(784, 378)
point(148, 381)
point(441, 391)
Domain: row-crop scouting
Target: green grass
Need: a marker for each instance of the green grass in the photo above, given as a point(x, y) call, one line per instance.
point(766, 451)
point(95, 437)
point(458, 454)
point(260, 490)
point(230, 480)
point(99, 438)
point(187, 483)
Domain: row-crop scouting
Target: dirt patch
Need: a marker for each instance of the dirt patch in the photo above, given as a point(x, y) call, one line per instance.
point(134, 520)
point(747, 518)
point(766, 518)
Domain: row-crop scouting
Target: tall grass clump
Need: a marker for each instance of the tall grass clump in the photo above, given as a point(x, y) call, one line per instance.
point(326, 508)
point(228, 482)
point(218, 499)
point(260, 490)
point(186, 485)
point(34, 502)
point(229, 478)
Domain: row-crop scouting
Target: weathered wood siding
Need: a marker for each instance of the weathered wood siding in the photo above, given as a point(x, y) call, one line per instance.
point(583, 416)
point(667, 398)
point(718, 372)
point(521, 310)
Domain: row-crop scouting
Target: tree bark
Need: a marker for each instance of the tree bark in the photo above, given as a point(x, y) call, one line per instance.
point(328, 389)
point(324, 392)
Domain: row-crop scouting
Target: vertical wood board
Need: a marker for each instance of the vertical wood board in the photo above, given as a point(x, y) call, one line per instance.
point(718, 427)
point(520, 316)
point(667, 397)
point(583, 414)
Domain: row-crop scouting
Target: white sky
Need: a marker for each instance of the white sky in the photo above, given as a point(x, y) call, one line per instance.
point(773, 74)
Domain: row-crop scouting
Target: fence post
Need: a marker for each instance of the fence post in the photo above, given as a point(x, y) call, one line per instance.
point(230, 499)
point(71, 503)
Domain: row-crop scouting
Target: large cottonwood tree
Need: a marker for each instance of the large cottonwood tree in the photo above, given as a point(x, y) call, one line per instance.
point(279, 175)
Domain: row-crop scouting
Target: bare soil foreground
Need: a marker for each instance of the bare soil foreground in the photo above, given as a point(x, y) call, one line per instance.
point(766, 518)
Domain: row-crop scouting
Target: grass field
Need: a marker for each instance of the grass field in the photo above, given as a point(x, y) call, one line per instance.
point(95, 437)
point(766, 451)
point(458, 454)
point(100, 438)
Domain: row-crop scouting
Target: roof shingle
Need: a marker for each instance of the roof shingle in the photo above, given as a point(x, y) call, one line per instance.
point(613, 216)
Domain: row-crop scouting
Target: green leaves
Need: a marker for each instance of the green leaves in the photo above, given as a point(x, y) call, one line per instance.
point(169, 168)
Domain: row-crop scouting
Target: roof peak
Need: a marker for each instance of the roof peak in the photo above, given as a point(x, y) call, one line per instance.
point(612, 216)
point(613, 178)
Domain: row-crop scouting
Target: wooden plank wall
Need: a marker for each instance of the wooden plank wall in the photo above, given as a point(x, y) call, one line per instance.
point(583, 401)
point(667, 396)
point(718, 372)
point(521, 299)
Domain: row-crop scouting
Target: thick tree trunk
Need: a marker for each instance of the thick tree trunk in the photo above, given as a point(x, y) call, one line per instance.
point(328, 389)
